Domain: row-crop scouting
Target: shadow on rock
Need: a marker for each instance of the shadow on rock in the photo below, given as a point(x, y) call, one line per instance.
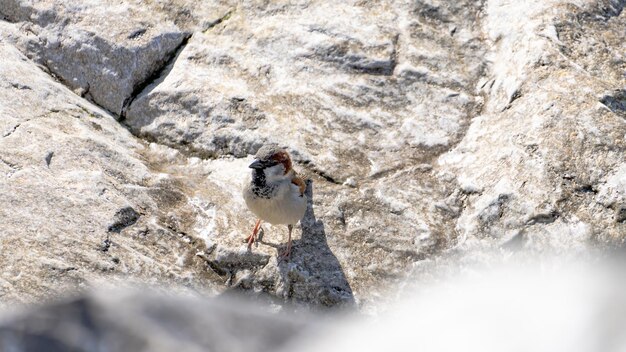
point(313, 273)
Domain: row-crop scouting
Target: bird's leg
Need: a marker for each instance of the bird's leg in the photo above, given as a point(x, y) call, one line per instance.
point(287, 253)
point(252, 237)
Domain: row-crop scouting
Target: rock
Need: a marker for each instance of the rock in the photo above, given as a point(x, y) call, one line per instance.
point(149, 321)
point(428, 130)
point(542, 148)
point(531, 304)
point(103, 51)
point(66, 167)
point(314, 84)
point(354, 99)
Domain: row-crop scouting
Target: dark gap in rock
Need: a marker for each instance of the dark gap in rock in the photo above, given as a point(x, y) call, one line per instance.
point(544, 218)
point(11, 165)
point(168, 62)
point(123, 218)
point(12, 130)
point(586, 189)
point(616, 102)
point(49, 158)
point(326, 176)
point(220, 20)
point(158, 73)
point(620, 213)
point(106, 244)
point(137, 33)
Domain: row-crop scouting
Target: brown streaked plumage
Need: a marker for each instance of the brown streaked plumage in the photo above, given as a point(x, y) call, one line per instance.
point(300, 183)
point(283, 158)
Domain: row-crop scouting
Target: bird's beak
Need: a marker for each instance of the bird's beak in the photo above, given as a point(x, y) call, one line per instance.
point(256, 165)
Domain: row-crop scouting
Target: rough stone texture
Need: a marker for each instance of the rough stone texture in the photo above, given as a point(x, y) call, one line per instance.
point(319, 82)
point(102, 50)
point(551, 131)
point(364, 100)
point(428, 128)
point(69, 173)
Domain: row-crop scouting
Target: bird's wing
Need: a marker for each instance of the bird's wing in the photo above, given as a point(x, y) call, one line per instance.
point(296, 180)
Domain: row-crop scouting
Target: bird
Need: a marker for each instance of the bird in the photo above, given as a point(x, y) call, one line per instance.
point(274, 192)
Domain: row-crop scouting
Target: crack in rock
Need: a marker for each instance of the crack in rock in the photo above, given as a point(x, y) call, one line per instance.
point(161, 71)
point(225, 17)
point(616, 102)
point(12, 130)
point(48, 158)
point(11, 165)
point(141, 86)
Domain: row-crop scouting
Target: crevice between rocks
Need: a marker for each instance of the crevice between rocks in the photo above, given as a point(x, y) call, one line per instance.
point(326, 176)
point(169, 61)
point(157, 74)
point(12, 166)
point(223, 18)
point(12, 130)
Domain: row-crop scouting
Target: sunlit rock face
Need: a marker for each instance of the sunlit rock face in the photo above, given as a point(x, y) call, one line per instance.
point(545, 158)
point(428, 130)
point(78, 200)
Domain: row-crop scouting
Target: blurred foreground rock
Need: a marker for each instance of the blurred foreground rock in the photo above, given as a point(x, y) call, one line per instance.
point(133, 321)
point(429, 129)
point(549, 305)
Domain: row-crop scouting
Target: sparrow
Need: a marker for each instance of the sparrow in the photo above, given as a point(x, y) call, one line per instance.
point(274, 192)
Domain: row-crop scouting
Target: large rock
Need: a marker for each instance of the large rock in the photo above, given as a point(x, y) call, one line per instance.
point(102, 50)
point(429, 129)
point(551, 305)
point(543, 165)
point(364, 100)
point(368, 98)
point(368, 90)
point(146, 321)
point(79, 205)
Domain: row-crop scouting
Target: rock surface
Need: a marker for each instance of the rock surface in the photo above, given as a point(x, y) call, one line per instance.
point(551, 131)
point(134, 321)
point(550, 305)
point(102, 50)
point(428, 129)
point(78, 200)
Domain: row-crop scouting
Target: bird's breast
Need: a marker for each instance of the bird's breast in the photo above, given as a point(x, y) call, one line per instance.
point(285, 206)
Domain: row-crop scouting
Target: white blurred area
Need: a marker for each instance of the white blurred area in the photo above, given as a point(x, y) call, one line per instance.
point(551, 305)
point(546, 305)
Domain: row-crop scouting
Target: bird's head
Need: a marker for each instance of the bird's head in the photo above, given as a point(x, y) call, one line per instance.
point(273, 161)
